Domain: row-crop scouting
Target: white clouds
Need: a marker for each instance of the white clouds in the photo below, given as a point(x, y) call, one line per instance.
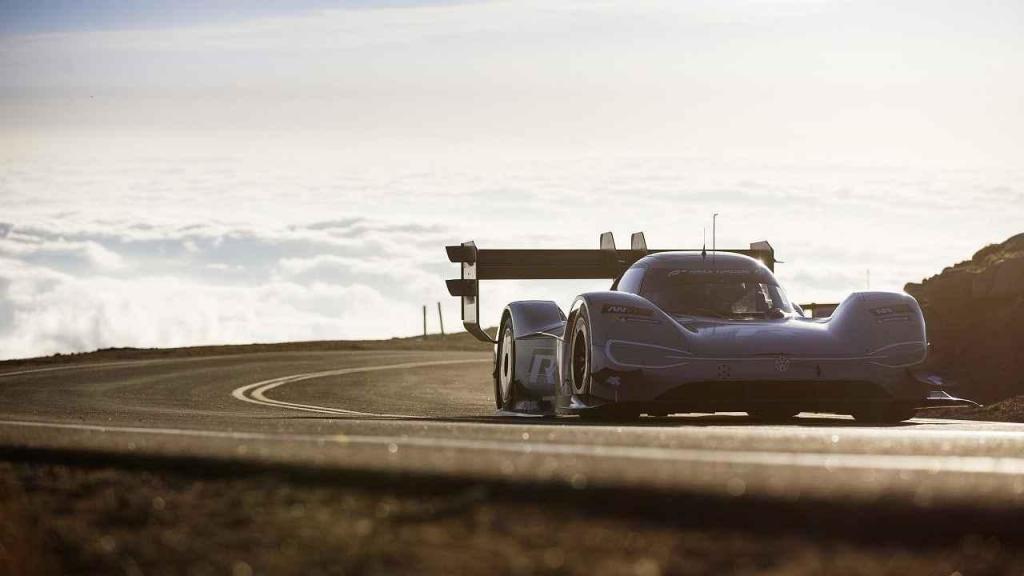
point(100, 257)
point(70, 289)
point(43, 311)
point(395, 274)
point(89, 255)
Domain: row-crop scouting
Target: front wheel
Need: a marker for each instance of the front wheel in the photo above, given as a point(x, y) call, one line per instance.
point(885, 413)
point(579, 355)
point(581, 378)
point(505, 387)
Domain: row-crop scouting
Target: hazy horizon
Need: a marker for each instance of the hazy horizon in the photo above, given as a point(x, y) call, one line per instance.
point(176, 174)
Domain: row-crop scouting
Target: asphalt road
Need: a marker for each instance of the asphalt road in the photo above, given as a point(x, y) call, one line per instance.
point(432, 413)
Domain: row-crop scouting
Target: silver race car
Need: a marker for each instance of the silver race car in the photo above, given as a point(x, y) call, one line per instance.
point(693, 331)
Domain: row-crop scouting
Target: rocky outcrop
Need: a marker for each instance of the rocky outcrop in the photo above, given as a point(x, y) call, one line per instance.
point(975, 315)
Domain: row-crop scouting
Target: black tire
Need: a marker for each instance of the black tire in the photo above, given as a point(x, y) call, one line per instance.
point(580, 376)
point(885, 413)
point(579, 354)
point(506, 389)
point(773, 414)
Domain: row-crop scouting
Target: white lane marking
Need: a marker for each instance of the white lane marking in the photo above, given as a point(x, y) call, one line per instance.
point(74, 366)
point(148, 361)
point(1006, 466)
point(256, 393)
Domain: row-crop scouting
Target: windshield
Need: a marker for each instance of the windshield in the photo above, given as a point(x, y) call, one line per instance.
point(722, 293)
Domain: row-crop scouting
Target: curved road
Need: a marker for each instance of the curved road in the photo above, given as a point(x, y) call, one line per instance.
point(432, 413)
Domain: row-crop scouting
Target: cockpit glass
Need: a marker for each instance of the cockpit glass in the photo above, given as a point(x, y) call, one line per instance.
point(736, 294)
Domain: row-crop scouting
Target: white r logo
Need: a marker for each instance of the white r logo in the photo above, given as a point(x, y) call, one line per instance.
point(542, 364)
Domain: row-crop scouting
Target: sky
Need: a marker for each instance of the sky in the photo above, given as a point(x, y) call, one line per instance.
point(192, 173)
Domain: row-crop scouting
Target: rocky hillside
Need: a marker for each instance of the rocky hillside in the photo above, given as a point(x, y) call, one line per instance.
point(975, 315)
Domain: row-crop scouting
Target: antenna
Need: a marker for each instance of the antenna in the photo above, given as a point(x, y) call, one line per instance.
point(714, 235)
point(704, 245)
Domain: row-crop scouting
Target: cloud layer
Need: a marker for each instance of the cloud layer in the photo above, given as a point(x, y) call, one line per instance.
point(227, 250)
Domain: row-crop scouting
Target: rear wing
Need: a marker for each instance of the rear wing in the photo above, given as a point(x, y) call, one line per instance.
point(607, 262)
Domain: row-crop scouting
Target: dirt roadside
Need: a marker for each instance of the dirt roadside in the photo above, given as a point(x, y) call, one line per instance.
point(433, 342)
point(97, 517)
point(1009, 410)
point(974, 311)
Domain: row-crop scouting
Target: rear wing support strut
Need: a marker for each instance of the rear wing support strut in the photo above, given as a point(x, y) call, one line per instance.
point(467, 287)
point(605, 263)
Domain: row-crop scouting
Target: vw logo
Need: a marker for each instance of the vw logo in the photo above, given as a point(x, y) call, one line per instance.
point(781, 363)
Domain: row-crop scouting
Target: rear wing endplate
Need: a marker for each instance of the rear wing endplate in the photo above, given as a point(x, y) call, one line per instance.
point(604, 263)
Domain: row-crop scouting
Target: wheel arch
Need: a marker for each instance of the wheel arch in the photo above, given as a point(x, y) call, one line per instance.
point(626, 316)
point(535, 318)
point(537, 328)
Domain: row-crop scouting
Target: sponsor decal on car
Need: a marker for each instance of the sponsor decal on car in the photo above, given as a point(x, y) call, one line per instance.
point(894, 313)
point(626, 310)
point(891, 310)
